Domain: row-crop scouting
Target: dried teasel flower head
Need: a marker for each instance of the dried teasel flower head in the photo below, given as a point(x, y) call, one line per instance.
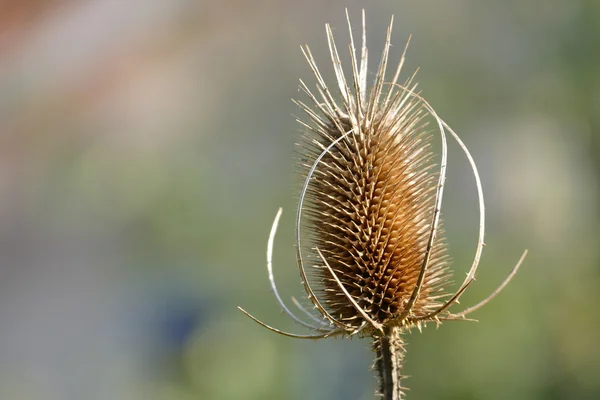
point(370, 208)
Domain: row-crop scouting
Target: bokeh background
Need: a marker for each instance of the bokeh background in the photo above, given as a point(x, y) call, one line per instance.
point(145, 146)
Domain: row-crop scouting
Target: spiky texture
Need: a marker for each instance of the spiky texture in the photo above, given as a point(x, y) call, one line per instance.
point(370, 209)
point(371, 197)
point(389, 350)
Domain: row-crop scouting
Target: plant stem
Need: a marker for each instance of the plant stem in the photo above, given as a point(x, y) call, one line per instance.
point(389, 349)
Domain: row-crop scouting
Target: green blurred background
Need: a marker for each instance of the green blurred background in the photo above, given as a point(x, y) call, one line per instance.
point(146, 145)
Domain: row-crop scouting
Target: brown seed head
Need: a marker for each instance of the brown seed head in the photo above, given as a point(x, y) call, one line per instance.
point(371, 196)
point(368, 219)
point(370, 204)
point(370, 207)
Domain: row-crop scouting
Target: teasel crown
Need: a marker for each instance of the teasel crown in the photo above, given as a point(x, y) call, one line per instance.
point(370, 246)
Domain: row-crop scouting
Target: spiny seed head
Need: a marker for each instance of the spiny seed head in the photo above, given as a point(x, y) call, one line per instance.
point(369, 242)
point(371, 195)
point(370, 205)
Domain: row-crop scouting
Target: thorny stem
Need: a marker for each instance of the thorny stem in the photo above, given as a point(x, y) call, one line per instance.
point(389, 349)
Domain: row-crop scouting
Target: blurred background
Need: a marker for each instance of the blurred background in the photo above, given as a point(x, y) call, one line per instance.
point(145, 146)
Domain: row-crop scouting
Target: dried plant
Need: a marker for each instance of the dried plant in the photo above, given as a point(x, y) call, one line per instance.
point(370, 205)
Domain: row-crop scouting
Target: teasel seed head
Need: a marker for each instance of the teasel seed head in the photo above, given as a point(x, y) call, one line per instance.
point(370, 246)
